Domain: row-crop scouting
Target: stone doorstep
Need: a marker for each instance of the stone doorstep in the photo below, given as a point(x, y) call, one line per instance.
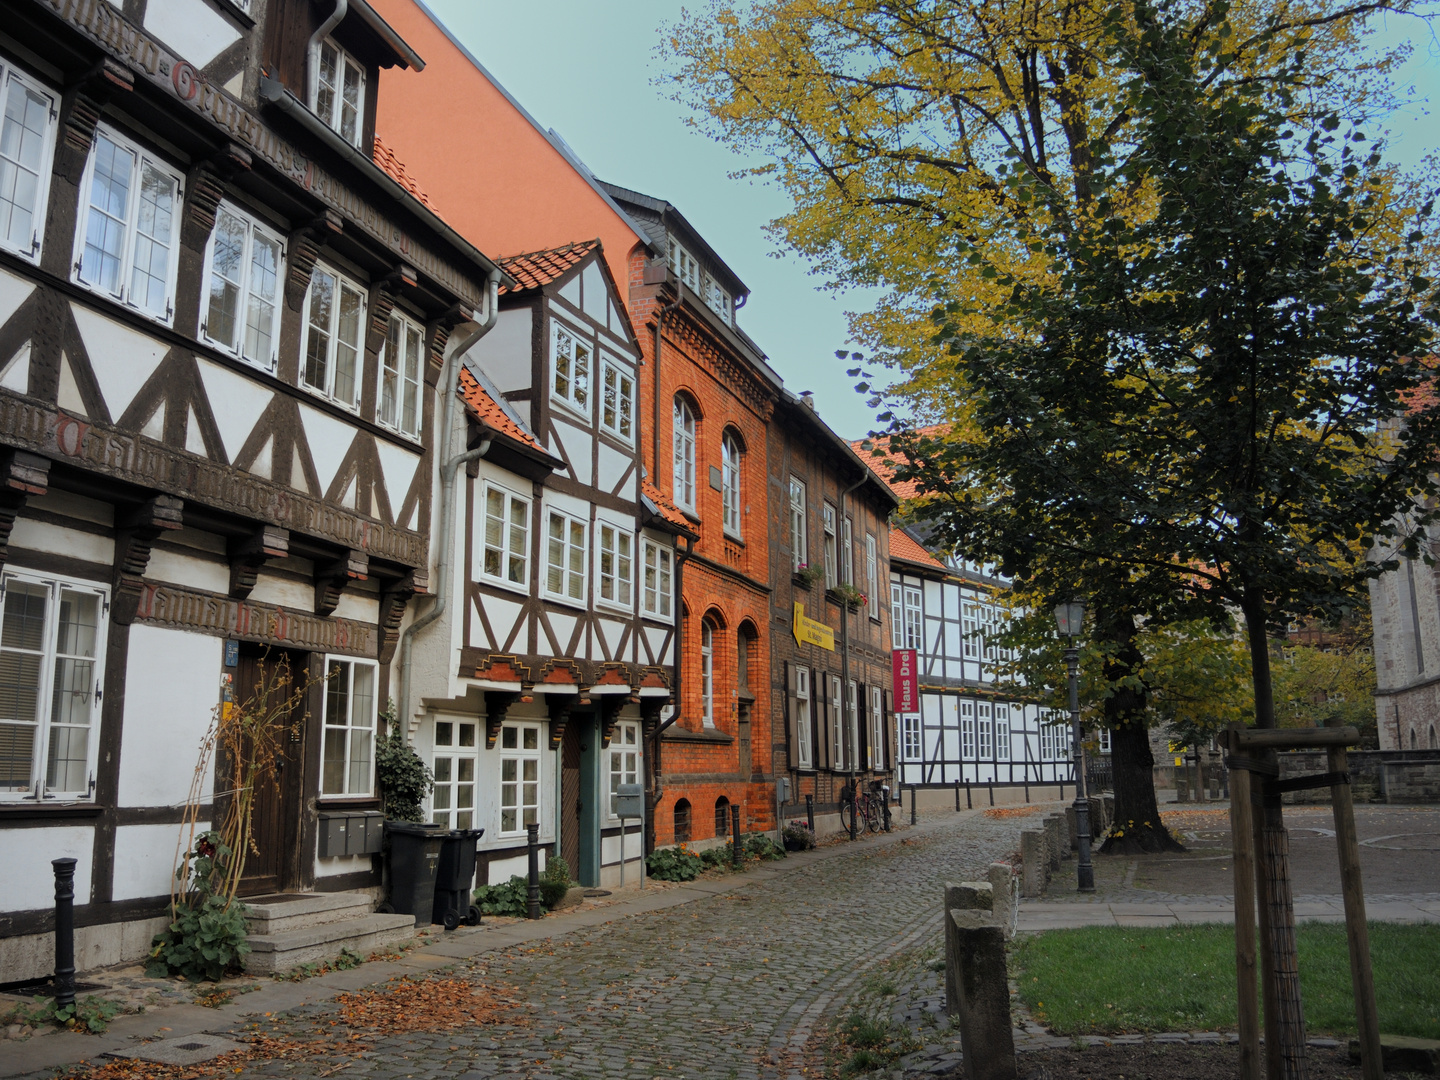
point(306, 909)
point(273, 953)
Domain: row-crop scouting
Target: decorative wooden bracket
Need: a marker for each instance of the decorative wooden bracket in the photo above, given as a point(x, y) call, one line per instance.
point(650, 710)
point(440, 329)
point(249, 553)
point(382, 302)
point(82, 108)
point(205, 187)
point(305, 244)
point(133, 541)
point(330, 581)
point(22, 474)
point(560, 707)
point(497, 704)
point(393, 599)
point(610, 706)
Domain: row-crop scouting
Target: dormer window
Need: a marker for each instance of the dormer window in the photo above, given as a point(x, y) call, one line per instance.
point(716, 299)
point(684, 266)
point(340, 92)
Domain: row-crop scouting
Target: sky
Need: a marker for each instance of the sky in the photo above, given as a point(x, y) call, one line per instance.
point(579, 67)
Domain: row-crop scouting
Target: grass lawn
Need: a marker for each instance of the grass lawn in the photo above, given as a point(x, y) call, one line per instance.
point(1106, 979)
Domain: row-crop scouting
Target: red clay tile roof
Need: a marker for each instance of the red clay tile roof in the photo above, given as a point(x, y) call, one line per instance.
point(491, 414)
point(904, 547)
point(386, 159)
point(884, 467)
point(537, 268)
point(668, 509)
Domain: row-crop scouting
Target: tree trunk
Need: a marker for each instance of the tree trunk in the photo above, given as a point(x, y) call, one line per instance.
point(1137, 828)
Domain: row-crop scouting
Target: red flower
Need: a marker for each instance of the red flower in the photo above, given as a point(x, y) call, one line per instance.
point(205, 849)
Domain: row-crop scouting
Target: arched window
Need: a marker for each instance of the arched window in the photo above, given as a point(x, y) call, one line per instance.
point(722, 816)
point(707, 671)
point(684, 454)
point(730, 484)
point(682, 820)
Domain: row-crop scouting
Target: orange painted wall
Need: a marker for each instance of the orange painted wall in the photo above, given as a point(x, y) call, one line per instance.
point(495, 178)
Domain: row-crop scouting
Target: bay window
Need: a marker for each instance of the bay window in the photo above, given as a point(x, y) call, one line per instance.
point(347, 765)
point(241, 288)
point(330, 349)
point(400, 366)
point(27, 147)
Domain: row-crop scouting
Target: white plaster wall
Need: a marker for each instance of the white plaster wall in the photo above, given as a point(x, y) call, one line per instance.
point(28, 882)
point(195, 31)
point(610, 847)
point(43, 536)
point(172, 682)
point(187, 570)
point(145, 858)
point(357, 606)
point(283, 592)
point(502, 870)
point(504, 353)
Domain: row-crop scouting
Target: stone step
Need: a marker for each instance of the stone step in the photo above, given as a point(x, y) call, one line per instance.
point(282, 913)
point(365, 934)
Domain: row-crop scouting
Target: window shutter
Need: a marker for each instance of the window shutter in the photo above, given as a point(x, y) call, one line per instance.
point(791, 711)
point(862, 727)
point(887, 724)
point(820, 708)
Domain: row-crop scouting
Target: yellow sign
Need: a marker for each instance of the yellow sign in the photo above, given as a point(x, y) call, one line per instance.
point(815, 633)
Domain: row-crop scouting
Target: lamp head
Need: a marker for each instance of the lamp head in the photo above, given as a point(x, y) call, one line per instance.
point(1070, 617)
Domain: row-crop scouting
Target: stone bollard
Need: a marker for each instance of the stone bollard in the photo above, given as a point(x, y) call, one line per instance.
point(1002, 894)
point(1182, 789)
point(1073, 824)
point(1108, 802)
point(976, 896)
point(1098, 825)
point(1035, 862)
point(1055, 832)
point(977, 993)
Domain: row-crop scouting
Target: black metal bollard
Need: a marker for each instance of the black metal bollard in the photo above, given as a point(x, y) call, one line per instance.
point(810, 812)
point(64, 932)
point(957, 795)
point(992, 793)
point(737, 850)
point(968, 804)
point(912, 804)
point(532, 840)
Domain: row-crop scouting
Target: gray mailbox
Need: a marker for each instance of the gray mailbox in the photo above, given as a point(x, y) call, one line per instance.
point(630, 801)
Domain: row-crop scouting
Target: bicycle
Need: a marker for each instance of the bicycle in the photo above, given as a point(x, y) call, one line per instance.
point(869, 807)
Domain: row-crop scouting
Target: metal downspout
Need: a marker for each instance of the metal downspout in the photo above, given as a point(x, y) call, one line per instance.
point(312, 51)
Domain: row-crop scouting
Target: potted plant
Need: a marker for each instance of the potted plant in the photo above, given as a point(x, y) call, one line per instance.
point(849, 595)
point(806, 575)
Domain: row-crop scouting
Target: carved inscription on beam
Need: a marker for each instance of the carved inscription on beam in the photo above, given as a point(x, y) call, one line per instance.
point(249, 553)
point(330, 581)
point(22, 474)
point(133, 541)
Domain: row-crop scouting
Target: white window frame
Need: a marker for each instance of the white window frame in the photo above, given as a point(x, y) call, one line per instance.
point(910, 730)
point(967, 730)
point(455, 765)
point(362, 724)
point(684, 428)
point(335, 120)
point(717, 299)
point(575, 395)
point(872, 575)
point(683, 265)
point(239, 347)
point(1002, 731)
point(914, 617)
point(49, 654)
point(625, 759)
point(707, 672)
point(804, 718)
point(847, 551)
point(143, 158)
point(877, 728)
point(828, 517)
point(969, 630)
point(10, 78)
point(657, 579)
point(985, 729)
point(510, 498)
point(571, 564)
point(326, 387)
point(1102, 741)
point(987, 623)
point(852, 717)
point(522, 784)
point(837, 723)
point(731, 457)
point(897, 615)
point(799, 549)
point(617, 405)
point(1047, 738)
point(618, 544)
point(405, 380)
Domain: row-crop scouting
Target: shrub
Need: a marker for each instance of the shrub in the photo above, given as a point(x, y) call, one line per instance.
point(760, 846)
point(206, 938)
point(674, 864)
point(555, 882)
point(511, 898)
point(714, 857)
point(798, 838)
point(91, 1014)
point(404, 778)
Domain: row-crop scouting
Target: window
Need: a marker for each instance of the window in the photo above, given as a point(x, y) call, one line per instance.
point(967, 730)
point(331, 350)
point(969, 631)
point(348, 760)
point(897, 616)
point(505, 546)
point(400, 375)
point(684, 460)
point(657, 585)
point(565, 557)
point(570, 374)
point(831, 580)
point(682, 820)
point(129, 202)
point(1002, 732)
point(987, 626)
point(27, 143)
point(242, 287)
point(914, 623)
point(837, 722)
point(683, 265)
point(716, 298)
point(707, 672)
point(911, 737)
point(877, 728)
point(624, 760)
point(872, 576)
point(799, 554)
point(617, 566)
point(617, 403)
point(1047, 738)
point(804, 756)
point(722, 816)
point(847, 553)
point(730, 485)
point(51, 634)
point(987, 731)
point(1104, 740)
point(340, 92)
point(519, 776)
point(852, 726)
point(452, 803)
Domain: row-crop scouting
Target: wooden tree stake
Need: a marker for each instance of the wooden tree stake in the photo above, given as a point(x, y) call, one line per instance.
point(1242, 826)
point(1357, 934)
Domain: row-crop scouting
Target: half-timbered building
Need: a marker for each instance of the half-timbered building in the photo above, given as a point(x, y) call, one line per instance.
point(967, 731)
point(830, 654)
point(222, 326)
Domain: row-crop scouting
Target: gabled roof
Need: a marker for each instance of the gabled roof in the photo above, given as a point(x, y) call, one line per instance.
point(395, 169)
point(661, 214)
point(491, 409)
point(906, 548)
point(665, 510)
point(873, 452)
point(536, 269)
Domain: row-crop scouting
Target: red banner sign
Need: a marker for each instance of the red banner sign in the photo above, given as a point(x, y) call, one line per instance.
point(906, 667)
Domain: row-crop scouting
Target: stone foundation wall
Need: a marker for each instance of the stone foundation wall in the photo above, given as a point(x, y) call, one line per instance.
point(1376, 776)
point(32, 956)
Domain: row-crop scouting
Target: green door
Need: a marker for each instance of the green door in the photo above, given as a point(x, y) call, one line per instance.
point(588, 870)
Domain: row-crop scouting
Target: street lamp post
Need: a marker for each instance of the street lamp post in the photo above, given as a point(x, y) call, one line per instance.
point(1069, 616)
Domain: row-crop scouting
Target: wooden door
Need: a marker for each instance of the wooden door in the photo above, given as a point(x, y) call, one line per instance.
point(570, 795)
point(272, 864)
